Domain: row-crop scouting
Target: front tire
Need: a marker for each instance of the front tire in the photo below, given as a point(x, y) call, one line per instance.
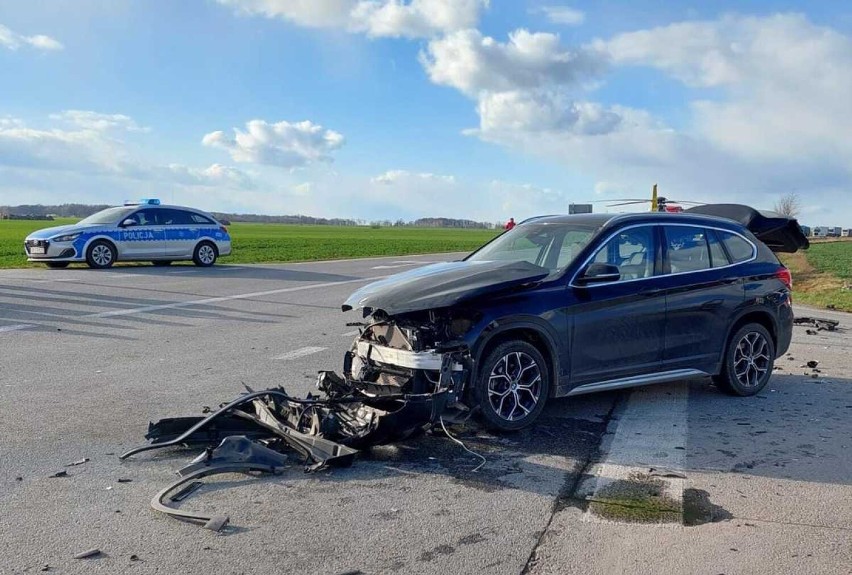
point(205, 255)
point(512, 386)
point(57, 265)
point(100, 255)
point(749, 359)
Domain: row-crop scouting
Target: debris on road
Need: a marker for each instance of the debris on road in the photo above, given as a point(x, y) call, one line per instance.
point(88, 554)
point(821, 324)
point(78, 462)
point(252, 432)
point(124, 480)
point(812, 364)
point(59, 474)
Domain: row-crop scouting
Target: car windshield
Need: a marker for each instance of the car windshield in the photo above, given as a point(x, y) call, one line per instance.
point(108, 216)
point(551, 245)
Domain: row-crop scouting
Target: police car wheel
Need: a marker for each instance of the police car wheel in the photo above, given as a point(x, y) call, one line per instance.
point(160, 263)
point(205, 254)
point(57, 265)
point(101, 254)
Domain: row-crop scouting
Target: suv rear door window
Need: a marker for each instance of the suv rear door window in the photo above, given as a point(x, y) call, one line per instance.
point(718, 257)
point(739, 249)
point(687, 249)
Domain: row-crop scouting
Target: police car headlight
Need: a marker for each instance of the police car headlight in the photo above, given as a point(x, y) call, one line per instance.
point(67, 237)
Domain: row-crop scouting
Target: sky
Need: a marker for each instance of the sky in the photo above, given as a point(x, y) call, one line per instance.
point(399, 109)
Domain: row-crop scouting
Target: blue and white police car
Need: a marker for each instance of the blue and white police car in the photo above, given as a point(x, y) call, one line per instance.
point(144, 230)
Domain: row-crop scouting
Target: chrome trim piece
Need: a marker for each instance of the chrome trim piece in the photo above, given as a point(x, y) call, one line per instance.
point(646, 224)
point(637, 380)
point(430, 360)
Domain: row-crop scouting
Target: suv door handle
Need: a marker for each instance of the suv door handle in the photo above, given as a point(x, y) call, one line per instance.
point(648, 292)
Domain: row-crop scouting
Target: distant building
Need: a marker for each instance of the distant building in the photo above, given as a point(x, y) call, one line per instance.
point(579, 208)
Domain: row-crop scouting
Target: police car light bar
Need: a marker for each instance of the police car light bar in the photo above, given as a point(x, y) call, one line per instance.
point(145, 202)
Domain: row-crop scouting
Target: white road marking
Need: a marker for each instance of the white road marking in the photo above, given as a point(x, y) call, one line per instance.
point(352, 333)
point(301, 352)
point(651, 427)
point(211, 300)
point(17, 327)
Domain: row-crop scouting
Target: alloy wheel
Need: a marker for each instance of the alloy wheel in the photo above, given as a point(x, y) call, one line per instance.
point(514, 386)
point(751, 359)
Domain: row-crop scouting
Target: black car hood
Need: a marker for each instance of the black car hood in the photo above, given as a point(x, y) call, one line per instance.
point(780, 233)
point(442, 285)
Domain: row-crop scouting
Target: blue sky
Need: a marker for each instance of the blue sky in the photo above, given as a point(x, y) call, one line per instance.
point(386, 109)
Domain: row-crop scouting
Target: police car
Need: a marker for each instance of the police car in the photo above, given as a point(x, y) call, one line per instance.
point(143, 230)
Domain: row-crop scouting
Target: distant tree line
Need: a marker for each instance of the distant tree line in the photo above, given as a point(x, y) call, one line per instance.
point(83, 210)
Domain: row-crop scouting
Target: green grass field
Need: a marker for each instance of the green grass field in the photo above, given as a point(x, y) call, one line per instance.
point(254, 243)
point(822, 275)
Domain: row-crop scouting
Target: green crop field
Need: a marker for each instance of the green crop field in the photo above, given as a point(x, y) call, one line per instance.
point(822, 275)
point(254, 243)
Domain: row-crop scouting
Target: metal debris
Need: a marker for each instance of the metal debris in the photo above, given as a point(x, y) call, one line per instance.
point(59, 474)
point(87, 554)
point(78, 462)
point(250, 433)
point(822, 324)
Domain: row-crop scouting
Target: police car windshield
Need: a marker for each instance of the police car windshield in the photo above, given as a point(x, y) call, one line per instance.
point(108, 216)
point(551, 245)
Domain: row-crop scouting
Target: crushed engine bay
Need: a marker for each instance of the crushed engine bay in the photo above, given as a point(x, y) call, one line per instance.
point(372, 404)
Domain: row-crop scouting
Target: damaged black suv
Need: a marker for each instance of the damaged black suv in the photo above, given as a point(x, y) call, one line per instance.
point(566, 305)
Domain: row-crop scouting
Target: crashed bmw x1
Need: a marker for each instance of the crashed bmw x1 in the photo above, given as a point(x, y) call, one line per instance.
point(566, 305)
point(558, 306)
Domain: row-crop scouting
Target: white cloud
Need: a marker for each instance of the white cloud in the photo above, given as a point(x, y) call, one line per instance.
point(85, 162)
point(768, 107)
point(562, 15)
point(282, 144)
point(12, 40)
point(401, 176)
point(377, 18)
point(474, 63)
point(89, 120)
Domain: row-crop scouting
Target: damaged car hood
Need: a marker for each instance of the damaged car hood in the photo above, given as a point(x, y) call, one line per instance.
point(780, 233)
point(442, 285)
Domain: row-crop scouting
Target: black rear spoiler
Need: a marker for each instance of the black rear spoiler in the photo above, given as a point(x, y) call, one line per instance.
point(780, 233)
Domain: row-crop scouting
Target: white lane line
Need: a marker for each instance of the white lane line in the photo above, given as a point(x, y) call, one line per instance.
point(649, 434)
point(211, 300)
point(301, 352)
point(352, 333)
point(17, 327)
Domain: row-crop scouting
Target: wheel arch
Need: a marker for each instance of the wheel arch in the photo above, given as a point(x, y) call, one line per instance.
point(101, 237)
point(528, 330)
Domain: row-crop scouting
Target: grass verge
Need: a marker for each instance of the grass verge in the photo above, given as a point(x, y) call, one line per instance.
point(822, 275)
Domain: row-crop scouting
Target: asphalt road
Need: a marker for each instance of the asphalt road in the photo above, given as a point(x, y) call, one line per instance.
point(87, 358)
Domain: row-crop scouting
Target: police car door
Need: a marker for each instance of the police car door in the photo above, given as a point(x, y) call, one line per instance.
point(181, 233)
point(144, 239)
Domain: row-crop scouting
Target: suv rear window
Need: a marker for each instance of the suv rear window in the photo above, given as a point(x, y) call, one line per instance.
point(687, 249)
point(739, 249)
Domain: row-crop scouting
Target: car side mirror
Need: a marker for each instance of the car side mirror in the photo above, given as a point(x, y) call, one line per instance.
point(599, 273)
point(128, 222)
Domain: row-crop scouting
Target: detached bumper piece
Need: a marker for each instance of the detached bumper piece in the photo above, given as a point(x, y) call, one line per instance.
point(253, 432)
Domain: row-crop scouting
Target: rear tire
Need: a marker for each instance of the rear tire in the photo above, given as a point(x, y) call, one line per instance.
point(205, 254)
point(57, 265)
point(512, 386)
point(101, 255)
point(748, 363)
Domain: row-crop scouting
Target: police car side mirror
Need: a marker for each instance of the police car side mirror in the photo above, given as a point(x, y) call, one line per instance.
point(128, 222)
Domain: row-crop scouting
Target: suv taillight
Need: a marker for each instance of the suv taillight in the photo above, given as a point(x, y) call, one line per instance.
point(785, 276)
